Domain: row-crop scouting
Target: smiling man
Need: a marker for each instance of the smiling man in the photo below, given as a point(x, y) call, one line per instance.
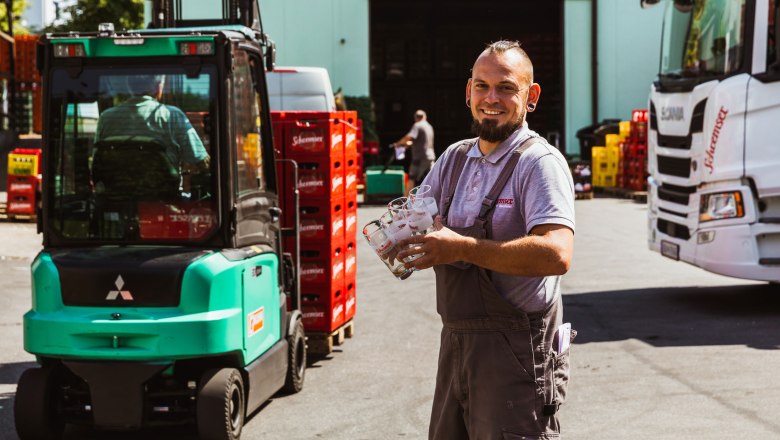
point(504, 236)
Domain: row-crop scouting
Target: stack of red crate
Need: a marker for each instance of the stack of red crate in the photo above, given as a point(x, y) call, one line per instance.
point(22, 183)
point(353, 138)
point(323, 146)
point(635, 152)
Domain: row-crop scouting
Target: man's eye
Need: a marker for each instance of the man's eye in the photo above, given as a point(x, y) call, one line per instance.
point(508, 89)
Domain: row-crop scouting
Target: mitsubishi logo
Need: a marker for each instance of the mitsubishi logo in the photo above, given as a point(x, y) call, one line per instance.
point(112, 295)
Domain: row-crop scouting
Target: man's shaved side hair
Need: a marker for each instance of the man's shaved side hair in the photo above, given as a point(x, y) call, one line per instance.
point(502, 46)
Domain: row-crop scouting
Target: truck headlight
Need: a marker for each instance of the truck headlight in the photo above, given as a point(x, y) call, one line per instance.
point(720, 206)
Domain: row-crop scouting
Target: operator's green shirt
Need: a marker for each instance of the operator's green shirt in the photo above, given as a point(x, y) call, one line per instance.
point(144, 117)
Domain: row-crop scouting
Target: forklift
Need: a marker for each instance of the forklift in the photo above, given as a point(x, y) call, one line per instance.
point(162, 295)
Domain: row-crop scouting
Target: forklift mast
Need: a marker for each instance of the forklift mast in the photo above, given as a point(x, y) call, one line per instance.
point(169, 14)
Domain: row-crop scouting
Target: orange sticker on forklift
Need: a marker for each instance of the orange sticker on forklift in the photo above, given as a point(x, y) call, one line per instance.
point(256, 321)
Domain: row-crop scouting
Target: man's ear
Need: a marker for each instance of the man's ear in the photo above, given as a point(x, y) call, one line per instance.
point(534, 92)
point(468, 90)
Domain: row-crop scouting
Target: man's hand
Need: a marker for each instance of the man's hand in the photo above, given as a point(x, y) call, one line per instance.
point(441, 246)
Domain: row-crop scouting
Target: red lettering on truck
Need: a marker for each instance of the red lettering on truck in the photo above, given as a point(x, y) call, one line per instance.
point(709, 159)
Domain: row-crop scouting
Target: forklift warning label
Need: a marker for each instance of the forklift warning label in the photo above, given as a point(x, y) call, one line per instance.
point(256, 321)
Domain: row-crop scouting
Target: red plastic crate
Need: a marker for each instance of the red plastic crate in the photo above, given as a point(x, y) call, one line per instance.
point(317, 133)
point(350, 260)
point(327, 269)
point(350, 299)
point(320, 220)
point(350, 220)
point(318, 176)
point(639, 115)
point(322, 263)
point(322, 308)
point(20, 203)
point(22, 184)
point(350, 126)
point(352, 172)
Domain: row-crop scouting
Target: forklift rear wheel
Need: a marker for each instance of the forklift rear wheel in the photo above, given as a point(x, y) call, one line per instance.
point(220, 405)
point(296, 359)
point(34, 409)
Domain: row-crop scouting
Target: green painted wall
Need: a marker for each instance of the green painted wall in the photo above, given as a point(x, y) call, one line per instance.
point(629, 42)
point(331, 34)
point(629, 46)
point(577, 59)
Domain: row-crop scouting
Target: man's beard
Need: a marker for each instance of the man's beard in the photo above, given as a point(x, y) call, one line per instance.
point(490, 131)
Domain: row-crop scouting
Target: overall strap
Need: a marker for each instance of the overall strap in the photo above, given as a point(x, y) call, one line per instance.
point(457, 169)
point(489, 202)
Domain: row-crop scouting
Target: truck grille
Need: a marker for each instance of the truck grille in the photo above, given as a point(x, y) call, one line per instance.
point(673, 229)
point(675, 194)
point(673, 166)
point(679, 142)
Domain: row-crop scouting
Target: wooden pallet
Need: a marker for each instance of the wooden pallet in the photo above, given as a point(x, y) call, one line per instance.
point(322, 343)
point(624, 193)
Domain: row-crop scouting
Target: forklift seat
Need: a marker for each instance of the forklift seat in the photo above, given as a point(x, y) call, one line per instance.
point(133, 169)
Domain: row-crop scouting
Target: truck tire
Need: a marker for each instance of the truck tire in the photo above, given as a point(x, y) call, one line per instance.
point(221, 405)
point(296, 359)
point(35, 406)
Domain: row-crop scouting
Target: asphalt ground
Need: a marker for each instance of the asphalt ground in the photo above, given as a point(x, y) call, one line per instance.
point(664, 350)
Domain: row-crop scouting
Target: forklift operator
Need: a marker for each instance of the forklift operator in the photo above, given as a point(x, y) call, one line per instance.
point(142, 116)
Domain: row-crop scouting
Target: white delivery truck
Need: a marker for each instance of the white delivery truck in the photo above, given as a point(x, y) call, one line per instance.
point(300, 88)
point(714, 138)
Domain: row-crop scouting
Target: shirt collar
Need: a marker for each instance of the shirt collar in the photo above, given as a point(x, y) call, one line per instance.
point(509, 144)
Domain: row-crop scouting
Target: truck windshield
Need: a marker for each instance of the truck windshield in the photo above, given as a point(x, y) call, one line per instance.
point(130, 154)
point(702, 38)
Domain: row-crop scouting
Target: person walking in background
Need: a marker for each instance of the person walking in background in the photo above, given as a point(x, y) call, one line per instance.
point(420, 140)
point(503, 238)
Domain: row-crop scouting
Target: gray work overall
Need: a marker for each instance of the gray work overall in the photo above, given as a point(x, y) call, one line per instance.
point(498, 376)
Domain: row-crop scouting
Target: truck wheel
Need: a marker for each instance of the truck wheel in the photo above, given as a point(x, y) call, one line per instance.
point(220, 405)
point(35, 413)
point(296, 359)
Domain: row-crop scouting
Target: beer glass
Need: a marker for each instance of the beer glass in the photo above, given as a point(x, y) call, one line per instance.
point(385, 248)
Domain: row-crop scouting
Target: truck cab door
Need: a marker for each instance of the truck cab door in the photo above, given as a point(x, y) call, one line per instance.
point(762, 152)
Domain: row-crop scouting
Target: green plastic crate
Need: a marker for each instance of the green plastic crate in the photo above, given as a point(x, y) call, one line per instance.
point(384, 183)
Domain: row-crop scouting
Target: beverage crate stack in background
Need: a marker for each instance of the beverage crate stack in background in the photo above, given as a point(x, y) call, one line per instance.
point(22, 184)
point(605, 161)
point(324, 145)
point(624, 134)
point(635, 155)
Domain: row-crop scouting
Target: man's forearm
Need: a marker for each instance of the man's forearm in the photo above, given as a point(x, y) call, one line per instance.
point(527, 256)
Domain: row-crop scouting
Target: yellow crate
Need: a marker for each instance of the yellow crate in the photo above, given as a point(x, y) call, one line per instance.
point(605, 165)
point(612, 140)
point(22, 164)
point(625, 129)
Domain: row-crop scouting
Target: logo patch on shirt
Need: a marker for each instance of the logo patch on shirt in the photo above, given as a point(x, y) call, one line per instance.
point(505, 203)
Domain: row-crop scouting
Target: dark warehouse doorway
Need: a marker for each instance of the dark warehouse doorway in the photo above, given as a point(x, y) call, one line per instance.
point(421, 54)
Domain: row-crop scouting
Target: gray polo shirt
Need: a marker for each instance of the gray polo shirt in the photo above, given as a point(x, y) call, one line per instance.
point(540, 191)
point(422, 141)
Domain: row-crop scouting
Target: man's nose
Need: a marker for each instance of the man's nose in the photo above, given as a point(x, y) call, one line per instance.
point(492, 95)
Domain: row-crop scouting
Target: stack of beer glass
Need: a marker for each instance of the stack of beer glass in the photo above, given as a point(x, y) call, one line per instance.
point(405, 217)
